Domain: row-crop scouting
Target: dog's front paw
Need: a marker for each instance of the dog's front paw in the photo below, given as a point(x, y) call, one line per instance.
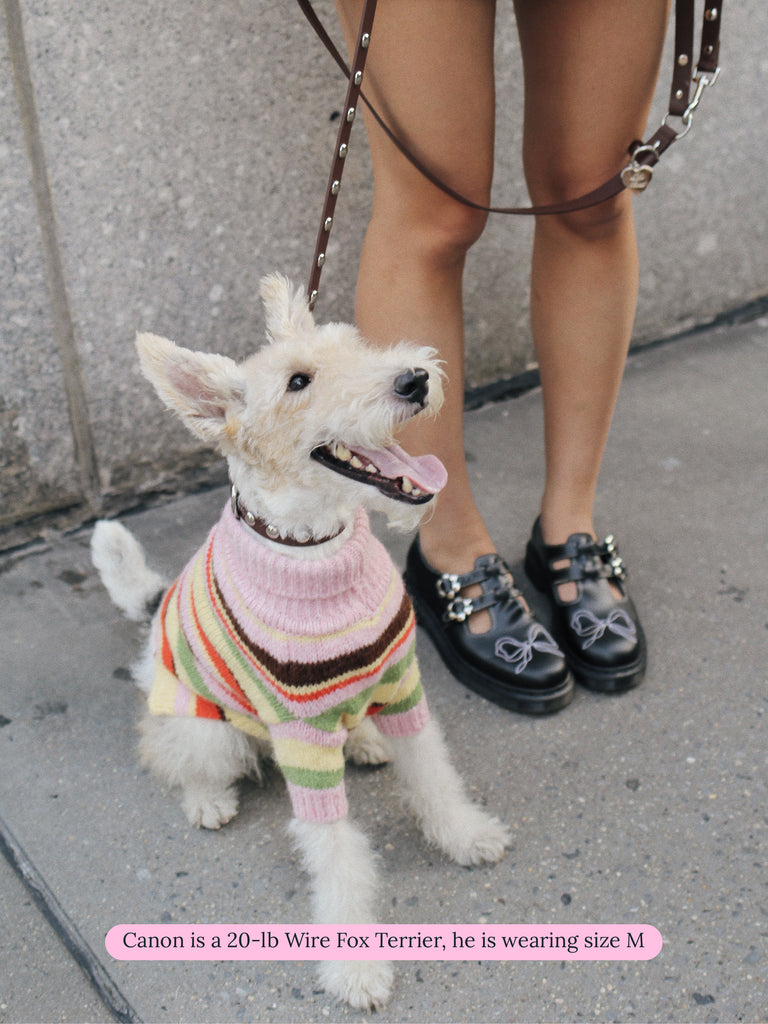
point(473, 837)
point(488, 843)
point(366, 745)
point(210, 808)
point(363, 984)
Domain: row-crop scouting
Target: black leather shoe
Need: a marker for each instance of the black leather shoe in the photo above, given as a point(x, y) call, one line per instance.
point(516, 664)
point(599, 632)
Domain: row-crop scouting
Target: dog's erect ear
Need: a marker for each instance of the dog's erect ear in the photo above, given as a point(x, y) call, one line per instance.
point(206, 390)
point(286, 307)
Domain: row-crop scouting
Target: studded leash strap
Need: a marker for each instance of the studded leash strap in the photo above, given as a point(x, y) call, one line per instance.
point(355, 77)
point(635, 176)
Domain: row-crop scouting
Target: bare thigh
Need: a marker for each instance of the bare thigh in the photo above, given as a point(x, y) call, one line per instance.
point(430, 73)
point(591, 67)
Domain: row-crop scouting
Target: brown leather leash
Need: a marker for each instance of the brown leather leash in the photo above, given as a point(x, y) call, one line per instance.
point(635, 176)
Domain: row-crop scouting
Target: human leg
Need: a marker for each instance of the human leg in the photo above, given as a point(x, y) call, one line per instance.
point(430, 72)
point(590, 70)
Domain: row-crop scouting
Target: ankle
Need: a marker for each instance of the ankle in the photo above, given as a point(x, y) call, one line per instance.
point(454, 550)
point(558, 525)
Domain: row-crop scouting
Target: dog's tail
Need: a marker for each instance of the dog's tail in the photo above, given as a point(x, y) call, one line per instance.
point(133, 586)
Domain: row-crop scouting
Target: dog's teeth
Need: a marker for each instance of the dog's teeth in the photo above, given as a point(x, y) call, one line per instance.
point(355, 462)
point(417, 492)
point(406, 485)
point(342, 453)
point(370, 468)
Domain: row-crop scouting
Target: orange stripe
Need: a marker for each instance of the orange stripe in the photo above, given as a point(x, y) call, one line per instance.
point(205, 709)
point(218, 662)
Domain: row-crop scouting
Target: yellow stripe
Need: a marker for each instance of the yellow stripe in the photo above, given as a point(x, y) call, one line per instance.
point(247, 724)
point(162, 697)
point(399, 690)
point(301, 754)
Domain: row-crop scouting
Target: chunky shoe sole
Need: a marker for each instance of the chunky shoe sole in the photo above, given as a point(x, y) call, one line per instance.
point(605, 680)
point(536, 701)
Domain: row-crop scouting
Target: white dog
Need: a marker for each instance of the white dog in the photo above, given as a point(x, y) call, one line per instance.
point(291, 624)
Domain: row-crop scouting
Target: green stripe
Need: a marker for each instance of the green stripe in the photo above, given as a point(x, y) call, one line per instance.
point(407, 704)
point(185, 661)
point(329, 720)
point(310, 779)
point(237, 662)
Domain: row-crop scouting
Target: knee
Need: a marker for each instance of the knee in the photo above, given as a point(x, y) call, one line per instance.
point(560, 180)
point(452, 229)
point(598, 223)
point(439, 231)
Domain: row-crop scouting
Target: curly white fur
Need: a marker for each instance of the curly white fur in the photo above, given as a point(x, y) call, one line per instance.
point(267, 430)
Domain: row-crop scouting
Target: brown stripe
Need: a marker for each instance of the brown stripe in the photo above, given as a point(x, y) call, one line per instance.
point(303, 675)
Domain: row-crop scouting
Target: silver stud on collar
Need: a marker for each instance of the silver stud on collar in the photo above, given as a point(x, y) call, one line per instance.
point(272, 532)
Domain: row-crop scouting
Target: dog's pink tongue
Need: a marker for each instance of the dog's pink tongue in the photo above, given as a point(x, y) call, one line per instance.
point(426, 471)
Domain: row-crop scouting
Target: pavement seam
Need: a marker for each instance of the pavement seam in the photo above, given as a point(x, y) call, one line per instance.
point(65, 928)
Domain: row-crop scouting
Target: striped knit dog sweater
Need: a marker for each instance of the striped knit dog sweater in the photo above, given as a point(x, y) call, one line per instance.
point(299, 651)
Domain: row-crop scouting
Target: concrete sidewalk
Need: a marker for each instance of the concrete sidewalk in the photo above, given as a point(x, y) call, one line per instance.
point(648, 808)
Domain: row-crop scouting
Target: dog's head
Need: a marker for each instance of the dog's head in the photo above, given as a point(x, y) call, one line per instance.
point(308, 423)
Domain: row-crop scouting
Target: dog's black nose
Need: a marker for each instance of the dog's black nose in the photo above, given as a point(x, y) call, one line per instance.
point(413, 385)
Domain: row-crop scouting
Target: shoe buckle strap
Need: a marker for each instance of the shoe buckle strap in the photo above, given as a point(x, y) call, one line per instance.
point(449, 584)
point(587, 560)
point(459, 609)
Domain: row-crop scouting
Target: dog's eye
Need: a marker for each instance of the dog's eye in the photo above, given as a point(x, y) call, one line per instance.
point(299, 381)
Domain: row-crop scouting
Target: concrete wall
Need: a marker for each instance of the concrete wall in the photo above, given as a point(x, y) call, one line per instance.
point(151, 170)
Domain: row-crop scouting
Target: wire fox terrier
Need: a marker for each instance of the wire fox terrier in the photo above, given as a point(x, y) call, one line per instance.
point(290, 632)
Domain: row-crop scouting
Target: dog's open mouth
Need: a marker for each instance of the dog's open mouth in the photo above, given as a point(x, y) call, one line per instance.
point(398, 475)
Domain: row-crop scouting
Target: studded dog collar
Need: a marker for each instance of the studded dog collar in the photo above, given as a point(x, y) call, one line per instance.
point(269, 530)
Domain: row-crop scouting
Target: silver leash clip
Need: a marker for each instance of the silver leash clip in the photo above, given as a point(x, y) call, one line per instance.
point(638, 173)
point(702, 81)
